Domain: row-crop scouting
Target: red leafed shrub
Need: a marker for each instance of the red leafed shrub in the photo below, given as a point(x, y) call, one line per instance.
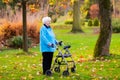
point(33, 32)
point(94, 11)
point(1, 38)
point(11, 29)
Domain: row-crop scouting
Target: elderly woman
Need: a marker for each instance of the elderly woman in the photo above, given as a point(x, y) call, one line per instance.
point(47, 43)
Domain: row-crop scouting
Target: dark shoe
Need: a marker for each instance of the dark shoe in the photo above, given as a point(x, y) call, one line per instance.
point(48, 73)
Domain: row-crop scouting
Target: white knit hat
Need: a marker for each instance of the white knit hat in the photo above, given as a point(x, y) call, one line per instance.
point(45, 19)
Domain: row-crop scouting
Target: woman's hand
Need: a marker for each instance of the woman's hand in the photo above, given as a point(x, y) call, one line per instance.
point(51, 45)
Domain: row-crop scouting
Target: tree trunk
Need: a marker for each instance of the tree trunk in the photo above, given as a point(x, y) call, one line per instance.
point(25, 40)
point(103, 42)
point(76, 17)
point(114, 7)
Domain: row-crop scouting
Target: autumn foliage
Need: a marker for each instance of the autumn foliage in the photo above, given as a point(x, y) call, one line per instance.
point(94, 11)
point(5, 1)
point(9, 29)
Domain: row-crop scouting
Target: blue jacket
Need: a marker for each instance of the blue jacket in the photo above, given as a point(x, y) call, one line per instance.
point(47, 37)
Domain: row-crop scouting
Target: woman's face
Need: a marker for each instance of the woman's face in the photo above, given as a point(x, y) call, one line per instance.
point(48, 23)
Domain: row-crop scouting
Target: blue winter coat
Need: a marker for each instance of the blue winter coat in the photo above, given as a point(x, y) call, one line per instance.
point(47, 37)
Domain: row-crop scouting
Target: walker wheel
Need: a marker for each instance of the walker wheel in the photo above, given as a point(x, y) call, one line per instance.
point(57, 69)
point(48, 73)
point(73, 69)
point(65, 73)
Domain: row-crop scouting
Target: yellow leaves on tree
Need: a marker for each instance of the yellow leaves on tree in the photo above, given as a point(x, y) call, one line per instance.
point(72, 1)
point(33, 8)
point(51, 3)
point(5, 1)
point(64, 6)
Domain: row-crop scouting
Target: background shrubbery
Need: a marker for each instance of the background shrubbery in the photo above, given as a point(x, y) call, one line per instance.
point(94, 22)
point(10, 30)
point(116, 25)
point(89, 22)
point(69, 22)
point(17, 41)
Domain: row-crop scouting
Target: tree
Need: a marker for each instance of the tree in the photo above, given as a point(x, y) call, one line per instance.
point(58, 8)
point(2, 8)
point(76, 17)
point(103, 42)
point(25, 39)
point(114, 7)
point(24, 3)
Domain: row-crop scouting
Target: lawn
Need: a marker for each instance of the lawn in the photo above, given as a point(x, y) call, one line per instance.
point(14, 65)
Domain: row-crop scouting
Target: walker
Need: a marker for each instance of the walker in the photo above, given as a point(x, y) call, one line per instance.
point(61, 59)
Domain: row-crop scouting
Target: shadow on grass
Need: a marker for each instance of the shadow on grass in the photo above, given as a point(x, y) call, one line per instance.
point(112, 56)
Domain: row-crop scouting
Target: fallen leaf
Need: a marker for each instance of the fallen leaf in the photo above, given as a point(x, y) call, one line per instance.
point(102, 65)
point(0, 77)
point(38, 73)
point(30, 76)
point(23, 78)
point(52, 78)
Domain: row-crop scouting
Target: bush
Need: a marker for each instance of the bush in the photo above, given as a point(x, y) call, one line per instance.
point(89, 22)
point(17, 42)
point(96, 22)
point(1, 34)
point(116, 25)
point(33, 33)
point(69, 22)
point(10, 29)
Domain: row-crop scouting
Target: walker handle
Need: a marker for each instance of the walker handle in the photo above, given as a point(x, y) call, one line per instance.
point(60, 43)
point(65, 47)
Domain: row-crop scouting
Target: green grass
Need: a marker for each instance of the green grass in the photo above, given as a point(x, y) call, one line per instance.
point(17, 66)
